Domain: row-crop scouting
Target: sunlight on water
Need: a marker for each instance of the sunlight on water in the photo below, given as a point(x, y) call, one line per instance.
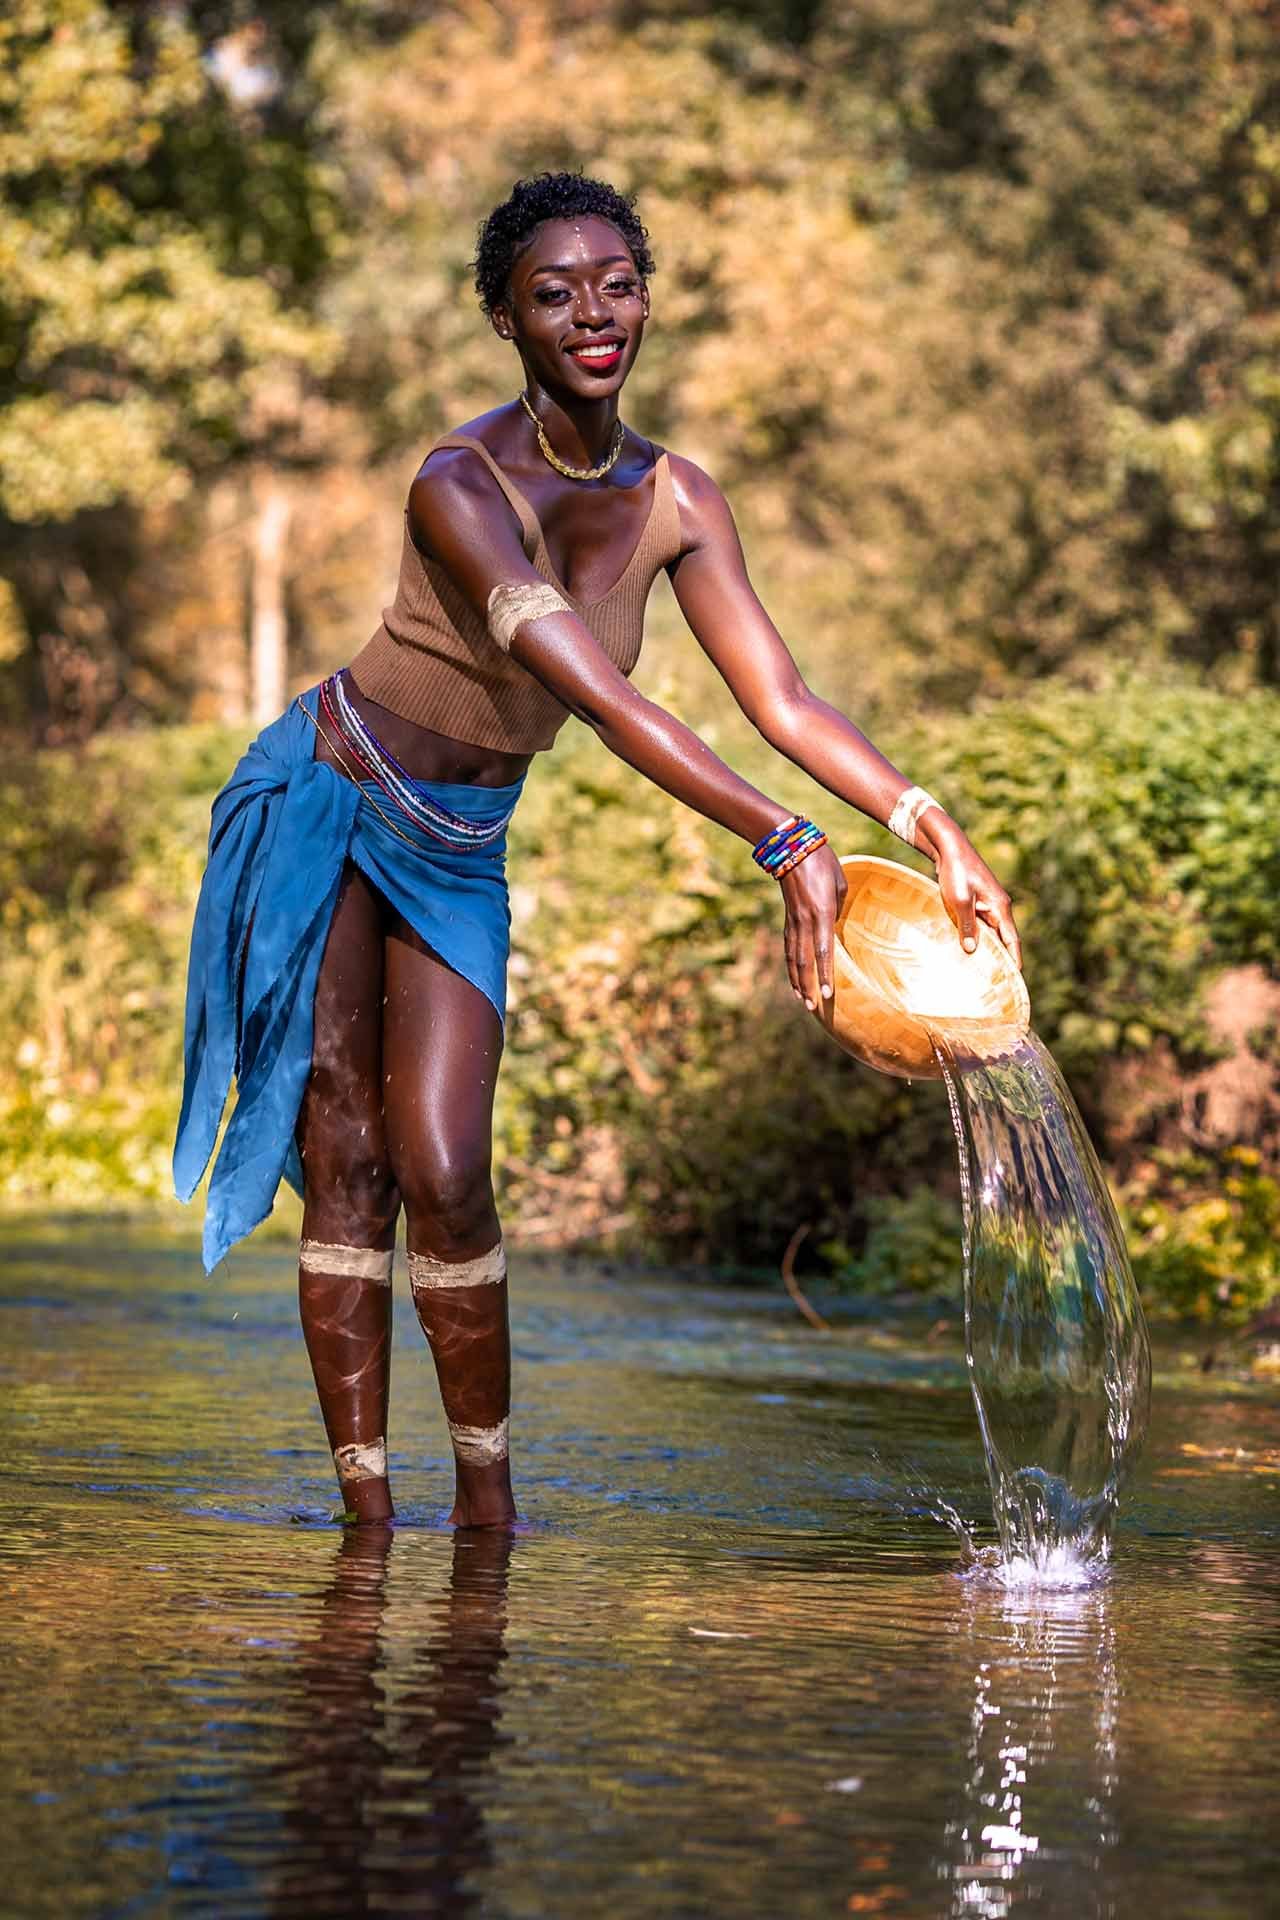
point(727, 1669)
point(1046, 1673)
point(1055, 1338)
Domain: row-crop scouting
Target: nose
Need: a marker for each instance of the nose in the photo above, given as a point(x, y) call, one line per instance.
point(589, 308)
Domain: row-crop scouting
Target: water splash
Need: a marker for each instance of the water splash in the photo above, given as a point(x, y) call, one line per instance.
point(1055, 1338)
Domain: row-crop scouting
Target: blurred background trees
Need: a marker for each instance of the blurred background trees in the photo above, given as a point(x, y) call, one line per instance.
point(972, 310)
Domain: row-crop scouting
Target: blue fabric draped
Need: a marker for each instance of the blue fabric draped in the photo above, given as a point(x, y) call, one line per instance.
point(282, 827)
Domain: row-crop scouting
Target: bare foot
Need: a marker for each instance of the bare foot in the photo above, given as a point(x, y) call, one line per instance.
point(368, 1504)
point(484, 1497)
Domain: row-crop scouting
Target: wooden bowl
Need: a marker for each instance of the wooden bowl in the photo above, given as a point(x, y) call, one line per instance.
point(902, 979)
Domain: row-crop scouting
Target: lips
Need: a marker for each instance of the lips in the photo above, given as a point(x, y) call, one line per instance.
point(601, 356)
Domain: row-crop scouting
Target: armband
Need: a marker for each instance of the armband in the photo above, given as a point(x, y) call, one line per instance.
point(510, 607)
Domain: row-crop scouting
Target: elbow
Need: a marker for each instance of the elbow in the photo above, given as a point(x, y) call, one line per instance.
point(785, 723)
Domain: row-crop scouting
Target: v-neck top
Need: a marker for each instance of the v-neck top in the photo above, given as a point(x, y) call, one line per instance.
point(433, 660)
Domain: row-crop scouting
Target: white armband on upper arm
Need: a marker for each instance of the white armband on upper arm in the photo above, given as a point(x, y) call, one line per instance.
point(509, 608)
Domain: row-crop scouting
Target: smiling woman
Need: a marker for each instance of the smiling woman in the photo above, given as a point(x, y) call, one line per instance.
point(350, 942)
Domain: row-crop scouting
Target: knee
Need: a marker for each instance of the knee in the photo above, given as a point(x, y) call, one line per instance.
point(449, 1202)
point(356, 1194)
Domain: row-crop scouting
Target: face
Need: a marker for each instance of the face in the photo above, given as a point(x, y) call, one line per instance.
point(577, 308)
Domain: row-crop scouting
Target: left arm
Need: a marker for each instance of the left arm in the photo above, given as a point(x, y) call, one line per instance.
point(721, 607)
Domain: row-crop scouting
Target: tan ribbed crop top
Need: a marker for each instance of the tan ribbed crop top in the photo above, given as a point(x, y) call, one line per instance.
point(434, 662)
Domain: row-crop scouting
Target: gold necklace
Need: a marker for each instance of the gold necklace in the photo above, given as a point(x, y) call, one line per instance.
point(553, 459)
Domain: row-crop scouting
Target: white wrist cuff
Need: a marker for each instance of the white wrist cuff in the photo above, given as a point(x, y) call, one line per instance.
point(907, 809)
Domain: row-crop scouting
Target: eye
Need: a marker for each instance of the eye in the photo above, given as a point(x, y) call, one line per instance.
point(548, 296)
point(621, 283)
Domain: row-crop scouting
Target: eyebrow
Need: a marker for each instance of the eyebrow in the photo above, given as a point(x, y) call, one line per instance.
point(568, 266)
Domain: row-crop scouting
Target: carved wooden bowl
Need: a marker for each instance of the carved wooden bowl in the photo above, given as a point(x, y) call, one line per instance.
point(902, 979)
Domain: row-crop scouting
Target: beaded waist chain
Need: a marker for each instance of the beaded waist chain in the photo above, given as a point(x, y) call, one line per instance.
point(411, 796)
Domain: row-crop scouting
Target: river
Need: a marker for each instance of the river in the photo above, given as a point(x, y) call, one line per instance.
point(731, 1666)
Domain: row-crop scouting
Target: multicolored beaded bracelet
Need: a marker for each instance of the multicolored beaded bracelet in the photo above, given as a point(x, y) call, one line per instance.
point(790, 842)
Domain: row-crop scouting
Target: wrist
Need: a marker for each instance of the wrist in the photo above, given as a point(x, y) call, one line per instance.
point(937, 833)
point(787, 844)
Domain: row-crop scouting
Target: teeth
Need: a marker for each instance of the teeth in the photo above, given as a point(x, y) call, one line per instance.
point(595, 353)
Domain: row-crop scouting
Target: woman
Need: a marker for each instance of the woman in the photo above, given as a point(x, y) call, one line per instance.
point(349, 951)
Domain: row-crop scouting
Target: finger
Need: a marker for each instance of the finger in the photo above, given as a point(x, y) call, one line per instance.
point(1009, 933)
point(806, 966)
point(965, 917)
point(822, 948)
point(999, 917)
point(789, 949)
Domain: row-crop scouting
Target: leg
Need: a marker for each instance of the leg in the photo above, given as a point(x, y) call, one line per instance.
point(441, 1045)
point(351, 1203)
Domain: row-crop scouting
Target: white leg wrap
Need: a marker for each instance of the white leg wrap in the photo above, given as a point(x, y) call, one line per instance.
point(427, 1273)
point(361, 1460)
point(480, 1446)
point(352, 1263)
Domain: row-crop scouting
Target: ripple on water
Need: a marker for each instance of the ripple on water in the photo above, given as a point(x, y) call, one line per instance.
point(730, 1669)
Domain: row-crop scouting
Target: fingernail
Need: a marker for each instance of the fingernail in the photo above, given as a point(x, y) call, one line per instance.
point(969, 945)
point(810, 1005)
point(827, 992)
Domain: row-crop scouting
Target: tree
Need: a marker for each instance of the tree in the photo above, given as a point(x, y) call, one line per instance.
point(160, 240)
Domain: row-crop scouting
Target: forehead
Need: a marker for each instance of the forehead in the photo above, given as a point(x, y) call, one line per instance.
point(577, 240)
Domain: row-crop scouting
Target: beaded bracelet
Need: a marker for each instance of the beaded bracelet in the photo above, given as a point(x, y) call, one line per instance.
point(790, 842)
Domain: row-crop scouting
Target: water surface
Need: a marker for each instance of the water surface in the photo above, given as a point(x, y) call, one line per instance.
point(731, 1668)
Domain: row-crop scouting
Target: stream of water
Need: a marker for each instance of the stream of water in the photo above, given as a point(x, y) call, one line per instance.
point(1055, 1338)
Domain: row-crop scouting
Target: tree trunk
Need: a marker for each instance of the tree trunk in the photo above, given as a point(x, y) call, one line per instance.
point(267, 635)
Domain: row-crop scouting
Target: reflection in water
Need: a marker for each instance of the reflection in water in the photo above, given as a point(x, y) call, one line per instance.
point(1055, 1336)
point(739, 1674)
point(1041, 1758)
point(386, 1788)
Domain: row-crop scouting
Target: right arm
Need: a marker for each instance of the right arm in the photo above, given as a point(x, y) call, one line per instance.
point(459, 517)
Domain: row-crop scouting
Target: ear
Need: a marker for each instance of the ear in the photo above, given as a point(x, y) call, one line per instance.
point(500, 321)
point(644, 297)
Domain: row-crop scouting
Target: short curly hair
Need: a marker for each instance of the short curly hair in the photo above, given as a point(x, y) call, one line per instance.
point(549, 196)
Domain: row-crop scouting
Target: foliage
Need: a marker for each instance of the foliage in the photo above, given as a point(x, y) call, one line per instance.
point(159, 244)
point(971, 309)
point(1206, 1244)
point(909, 256)
point(662, 1095)
point(1083, 202)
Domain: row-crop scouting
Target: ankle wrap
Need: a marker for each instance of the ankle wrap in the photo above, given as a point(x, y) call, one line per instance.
point(480, 1446)
point(361, 1460)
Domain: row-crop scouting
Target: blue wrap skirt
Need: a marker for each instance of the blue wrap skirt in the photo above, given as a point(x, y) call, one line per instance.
point(282, 828)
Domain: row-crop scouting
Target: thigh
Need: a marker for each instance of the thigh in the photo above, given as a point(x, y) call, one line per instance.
point(341, 1136)
point(441, 1049)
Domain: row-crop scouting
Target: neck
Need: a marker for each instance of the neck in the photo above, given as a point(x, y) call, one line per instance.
point(580, 431)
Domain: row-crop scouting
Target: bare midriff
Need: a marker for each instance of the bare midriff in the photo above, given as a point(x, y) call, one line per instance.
point(425, 755)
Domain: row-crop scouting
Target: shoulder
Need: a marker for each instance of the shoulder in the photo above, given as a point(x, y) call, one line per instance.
point(457, 488)
point(705, 518)
point(466, 469)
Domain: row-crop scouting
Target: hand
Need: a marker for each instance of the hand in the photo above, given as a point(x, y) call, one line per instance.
point(971, 892)
point(812, 893)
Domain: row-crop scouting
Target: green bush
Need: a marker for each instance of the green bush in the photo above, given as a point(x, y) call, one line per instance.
point(663, 1096)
